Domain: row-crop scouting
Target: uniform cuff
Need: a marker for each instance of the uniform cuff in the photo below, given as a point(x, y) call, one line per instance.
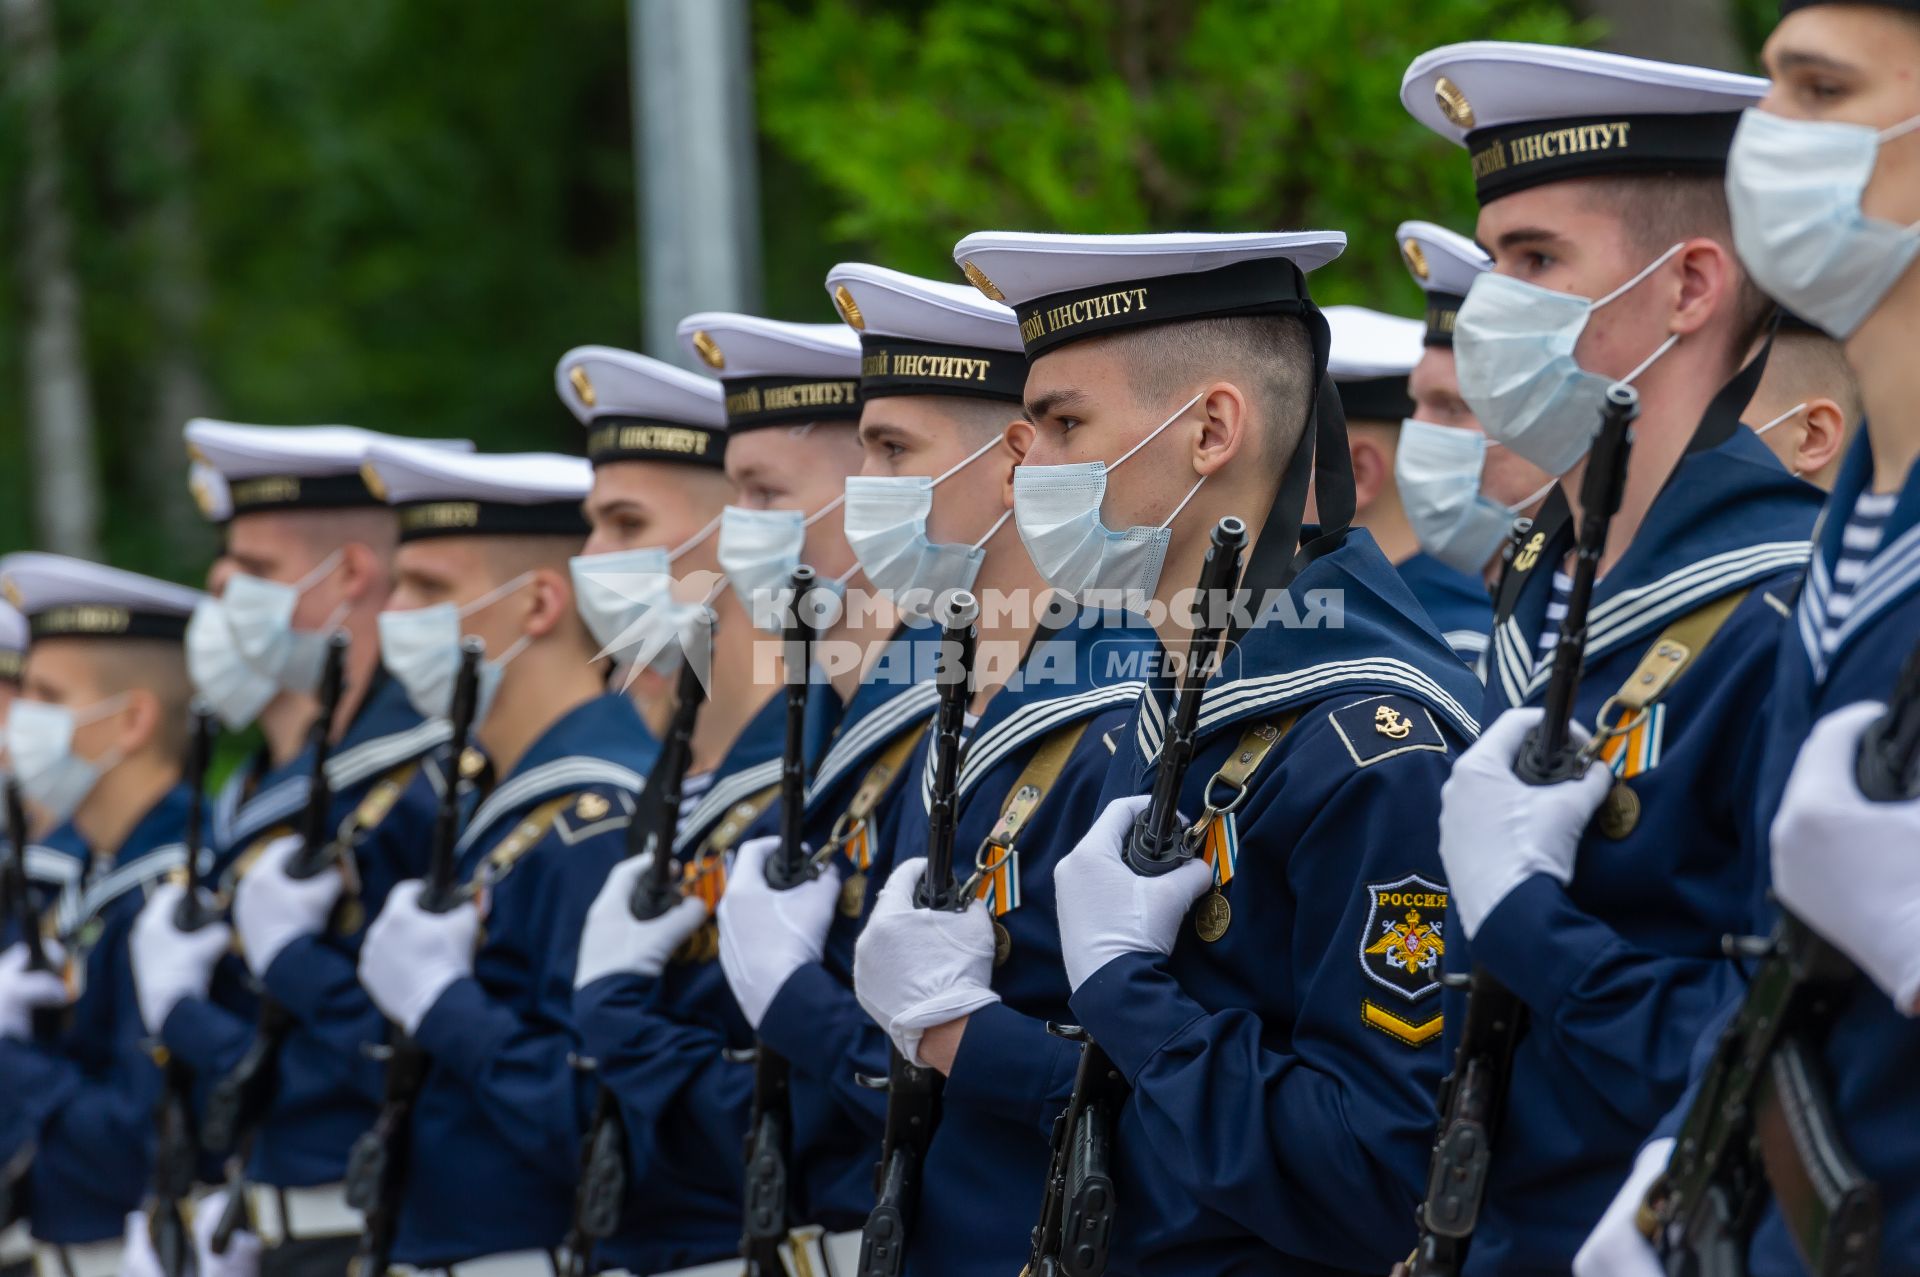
point(209, 1039)
point(799, 1019)
point(1133, 1006)
point(1537, 942)
point(607, 1012)
point(303, 974)
point(457, 1029)
point(1010, 1065)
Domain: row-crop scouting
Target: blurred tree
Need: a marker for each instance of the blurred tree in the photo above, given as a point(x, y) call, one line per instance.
point(924, 122)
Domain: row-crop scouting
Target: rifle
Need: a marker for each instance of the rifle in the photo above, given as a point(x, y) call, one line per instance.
point(1473, 1097)
point(768, 1211)
point(913, 1092)
point(238, 1104)
point(1077, 1204)
point(1761, 1124)
point(48, 1022)
point(377, 1167)
point(176, 1150)
point(602, 1192)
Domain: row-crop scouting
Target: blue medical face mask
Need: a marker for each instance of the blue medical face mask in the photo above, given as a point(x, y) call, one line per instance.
point(1438, 470)
point(626, 599)
point(260, 614)
point(421, 649)
point(221, 673)
point(40, 743)
point(1513, 347)
point(1057, 510)
point(1794, 190)
point(759, 549)
point(886, 525)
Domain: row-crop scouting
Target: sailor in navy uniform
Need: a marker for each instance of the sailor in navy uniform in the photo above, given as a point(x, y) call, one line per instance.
point(310, 550)
point(1607, 924)
point(484, 545)
point(1283, 1059)
point(99, 736)
point(1807, 405)
point(653, 1005)
point(1371, 361)
point(1839, 863)
point(55, 856)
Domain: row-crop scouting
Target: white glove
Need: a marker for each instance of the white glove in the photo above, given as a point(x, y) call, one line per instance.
point(1846, 866)
point(767, 935)
point(1496, 831)
point(915, 969)
point(617, 943)
point(242, 1259)
point(1616, 1247)
point(410, 956)
point(22, 990)
point(272, 909)
point(171, 965)
point(1106, 909)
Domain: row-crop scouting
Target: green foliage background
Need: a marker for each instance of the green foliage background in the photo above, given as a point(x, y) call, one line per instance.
point(404, 210)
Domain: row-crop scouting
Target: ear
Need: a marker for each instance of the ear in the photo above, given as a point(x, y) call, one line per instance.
point(1371, 469)
point(1708, 283)
point(1016, 441)
point(551, 596)
point(139, 721)
point(1225, 427)
point(1825, 436)
point(363, 576)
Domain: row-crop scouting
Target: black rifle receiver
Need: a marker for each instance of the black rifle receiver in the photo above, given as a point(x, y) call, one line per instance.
point(601, 1196)
point(1888, 768)
point(1473, 1096)
point(48, 1022)
point(1157, 845)
point(177, 1147)
point(238, 1104)
point(913, 1093)
point(767, 1212)
point(377, 1167)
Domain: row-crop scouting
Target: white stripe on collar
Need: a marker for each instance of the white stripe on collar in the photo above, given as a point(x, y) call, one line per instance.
point(724, 794)
point(576, 771)
point(47, 865)
point(369, 758)
point(1023, 725)
point(1892, 571)
point(80, 905)
point(873, 730)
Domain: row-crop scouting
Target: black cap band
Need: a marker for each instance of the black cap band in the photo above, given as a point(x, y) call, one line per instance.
point(11, 665)
point(1443, 310)
point(1375, 399)
point(1903, 6)
point(299, 492)
point(614, 438)
point(753, 402)
point(1269, 286)
point(105, 620)
point(1514, 157)
point(896, 366)
point(422, 520)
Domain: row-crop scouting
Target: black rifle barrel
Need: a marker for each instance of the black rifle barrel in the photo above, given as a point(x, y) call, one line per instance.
point(1548, 755)
point(1156, 844)
point(25, 916)
point(655, 891)
point(317, 852)
point(957, 613)
point(790, 865)
point(194, 912)
point(442, 891)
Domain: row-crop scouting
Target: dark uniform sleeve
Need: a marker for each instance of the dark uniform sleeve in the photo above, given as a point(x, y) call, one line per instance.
point(514, 1054)
point(817, 1024)
point(318, 982)
point(1312, 1133)
point(1010, 1066)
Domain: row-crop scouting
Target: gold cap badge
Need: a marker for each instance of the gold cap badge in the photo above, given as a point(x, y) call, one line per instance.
point(371, 477)
point(978, 278)
point(708, 349)
point(12, 592)
point(202, 495)
point(582, 385)
point(1453, 103)
point(1416, 258)
point(848, 308)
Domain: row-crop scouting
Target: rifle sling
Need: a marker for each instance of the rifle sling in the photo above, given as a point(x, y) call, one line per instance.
point(849, 828)
point(1029, 790)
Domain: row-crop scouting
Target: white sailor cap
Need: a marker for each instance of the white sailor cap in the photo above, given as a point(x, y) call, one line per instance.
point(1444, 263)
point(928, 337)
point(637, 408)
point(1064, 288)
point(13, 642)
point(1371, 357)
point(777, 373)
point(440, 494)
point(65, 597)
point(1530, 114)
point(286, 467)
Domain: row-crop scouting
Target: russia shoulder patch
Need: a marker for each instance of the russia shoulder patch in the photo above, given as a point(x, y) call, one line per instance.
point(1400, 943)
point(1381, 727)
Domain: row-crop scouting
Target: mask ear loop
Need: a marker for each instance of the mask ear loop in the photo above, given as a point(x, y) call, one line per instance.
point(968, 460)
point(713, 525)
point(1516, 509)
point(1760, 430)
point(825, 510)
point(321, 571)
point(1156, 432)
point(1001, 522)
point(1651, 267)
point(494, 595)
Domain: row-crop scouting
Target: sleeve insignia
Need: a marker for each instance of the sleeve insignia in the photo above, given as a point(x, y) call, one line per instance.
point(1401, 943)
point(591, 807)
point(1381, 727)
point(1399, 1027)
point(593, 814)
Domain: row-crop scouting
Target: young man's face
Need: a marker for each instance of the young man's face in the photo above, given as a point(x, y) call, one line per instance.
point(1559, 237)
point(1855, 64)
point(635, 504)
point(924, 436)
point(1080, 406)
point(799, 468)
point(281, 547)
point(1505, 476)
point(61, 671)
point(458, 570)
